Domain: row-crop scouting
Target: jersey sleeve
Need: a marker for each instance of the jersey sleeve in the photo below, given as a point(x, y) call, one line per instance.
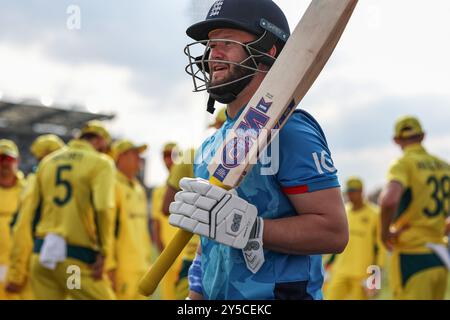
point(398, 172)
point(111, 257)
point(103, 196)
point(305, 163)
point(103, 184)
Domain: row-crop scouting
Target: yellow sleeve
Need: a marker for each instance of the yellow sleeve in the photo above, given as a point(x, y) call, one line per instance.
point(177, 172)
point(111, 256)
point(22, 238)
point(111, 259)
point(103, 194)
point(399, 172)
point(103, 184)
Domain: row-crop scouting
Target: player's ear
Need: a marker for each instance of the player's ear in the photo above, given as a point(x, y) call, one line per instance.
point(273, 51)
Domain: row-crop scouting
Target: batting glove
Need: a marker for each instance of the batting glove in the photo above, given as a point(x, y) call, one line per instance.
point(218, 214)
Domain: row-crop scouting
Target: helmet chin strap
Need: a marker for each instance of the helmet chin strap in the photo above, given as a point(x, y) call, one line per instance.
point(227, 97)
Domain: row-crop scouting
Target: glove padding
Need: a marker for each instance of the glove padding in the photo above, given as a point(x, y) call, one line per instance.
point(213, 212)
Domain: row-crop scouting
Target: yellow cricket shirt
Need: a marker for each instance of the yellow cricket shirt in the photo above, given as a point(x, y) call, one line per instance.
point(132, 238)
point(425, 202)
point(364, 247)
point(75, 188)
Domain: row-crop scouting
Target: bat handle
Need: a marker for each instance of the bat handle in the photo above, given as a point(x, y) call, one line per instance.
point(151, 279)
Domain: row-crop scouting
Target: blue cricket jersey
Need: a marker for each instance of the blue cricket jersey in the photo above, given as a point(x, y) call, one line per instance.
point(303, 164)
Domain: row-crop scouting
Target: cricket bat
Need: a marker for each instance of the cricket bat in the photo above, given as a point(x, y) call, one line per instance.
point(292, 75)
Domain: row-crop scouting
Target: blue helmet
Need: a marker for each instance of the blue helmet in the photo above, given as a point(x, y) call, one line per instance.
point(254, 16)
point(263, 18)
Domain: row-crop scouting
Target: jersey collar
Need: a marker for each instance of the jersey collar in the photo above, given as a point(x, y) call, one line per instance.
point(414, 148)
point(230, 121)
point(124, 179)
point(81, 144)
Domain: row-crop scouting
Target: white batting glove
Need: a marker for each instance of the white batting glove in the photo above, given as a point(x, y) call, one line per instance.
point(213, 212)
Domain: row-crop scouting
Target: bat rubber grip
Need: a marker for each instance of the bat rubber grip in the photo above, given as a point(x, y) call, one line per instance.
point(151, 279)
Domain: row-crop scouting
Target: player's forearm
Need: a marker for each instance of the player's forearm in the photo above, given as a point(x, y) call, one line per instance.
point(389, 201)
point(168, 198)
point(305, 234)
point(387, 212)
point(156, 231)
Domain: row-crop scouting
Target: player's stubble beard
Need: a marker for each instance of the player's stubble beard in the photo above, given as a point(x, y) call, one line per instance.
point(235, 73)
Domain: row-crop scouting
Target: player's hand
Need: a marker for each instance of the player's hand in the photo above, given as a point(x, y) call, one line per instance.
point(218, 214)
point(390, 237)
point(97, 267)
point(13, 287)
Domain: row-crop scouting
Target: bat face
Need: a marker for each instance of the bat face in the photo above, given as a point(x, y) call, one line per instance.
point(296, 68)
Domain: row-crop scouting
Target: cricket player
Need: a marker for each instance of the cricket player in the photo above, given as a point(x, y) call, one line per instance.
point(44, 145)
point(414, 206)
point(296, 212)
point(74, 191)
point(351, 268)
point(132, 239)
point(183, 168)
point(162, 231)
point(22, 248)
point(12, 184)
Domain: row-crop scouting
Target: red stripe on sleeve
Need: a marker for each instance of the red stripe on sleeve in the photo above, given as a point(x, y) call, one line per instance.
point(296, 190)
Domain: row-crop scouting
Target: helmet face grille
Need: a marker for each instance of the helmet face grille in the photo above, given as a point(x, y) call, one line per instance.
point(262, 18)
point(198, 63)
